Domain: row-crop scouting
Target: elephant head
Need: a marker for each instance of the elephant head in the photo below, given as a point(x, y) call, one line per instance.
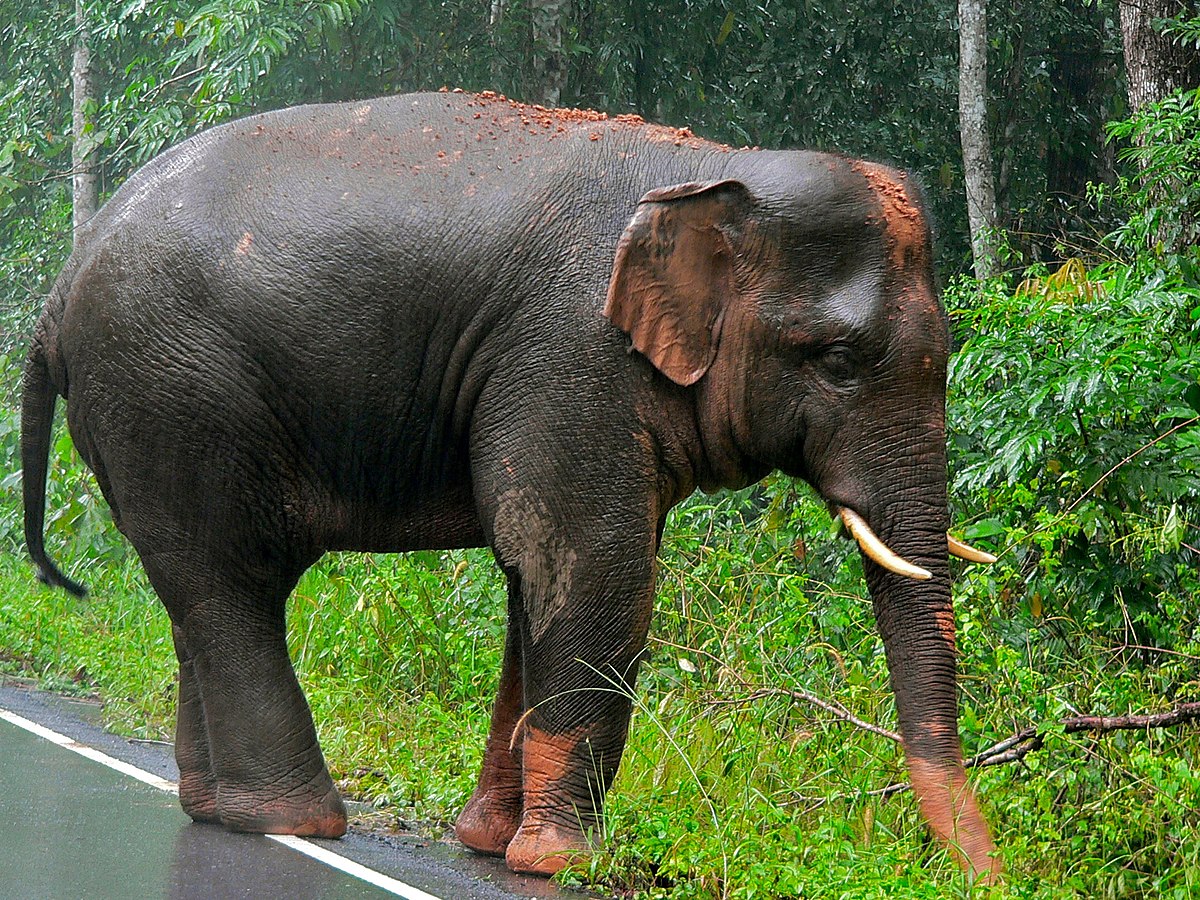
point(796, 299)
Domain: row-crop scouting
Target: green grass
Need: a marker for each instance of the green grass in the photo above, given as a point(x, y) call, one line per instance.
point(730, 787)
point(726, 789)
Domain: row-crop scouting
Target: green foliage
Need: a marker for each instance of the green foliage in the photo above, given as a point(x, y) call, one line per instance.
point(1074, 450)
point(1074, 406)
point(732, 786)
point(35, 212)
point(779, 75)
point(1163, 199)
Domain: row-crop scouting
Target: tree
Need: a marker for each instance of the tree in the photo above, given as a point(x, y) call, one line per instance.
point(1156, 63)
point(973, 129)
point(85, 179)
point(549, 20)
point(1160, 67)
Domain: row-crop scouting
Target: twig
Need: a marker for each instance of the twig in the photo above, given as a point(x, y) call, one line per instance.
point(816, 802)
point(1145, 648)
point(834, 709)
point(1099, 481)
point(1130, 458)
point(1027, 740)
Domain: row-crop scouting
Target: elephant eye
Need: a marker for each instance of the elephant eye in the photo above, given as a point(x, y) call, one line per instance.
point(840, 362)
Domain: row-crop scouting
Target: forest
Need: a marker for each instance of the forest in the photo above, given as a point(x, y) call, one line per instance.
point(1058, 145)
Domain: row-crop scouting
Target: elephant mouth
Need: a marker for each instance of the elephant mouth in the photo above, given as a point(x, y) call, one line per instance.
point(875, 549)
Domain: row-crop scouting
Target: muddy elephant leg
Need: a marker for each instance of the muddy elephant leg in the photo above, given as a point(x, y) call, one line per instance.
point(492, 815)
point(270, 775)
point(197, 782)
point(580, 664)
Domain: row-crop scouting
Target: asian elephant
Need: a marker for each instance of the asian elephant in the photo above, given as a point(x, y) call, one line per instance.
point(452, 320)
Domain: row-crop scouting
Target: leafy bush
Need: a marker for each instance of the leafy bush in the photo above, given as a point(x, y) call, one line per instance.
point(1163, 198)
point(1074, 404)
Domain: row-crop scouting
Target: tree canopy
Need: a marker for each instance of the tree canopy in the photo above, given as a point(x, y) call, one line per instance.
point(874, 78)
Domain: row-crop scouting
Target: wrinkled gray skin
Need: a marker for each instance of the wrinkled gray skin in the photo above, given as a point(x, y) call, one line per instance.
point(444, 320)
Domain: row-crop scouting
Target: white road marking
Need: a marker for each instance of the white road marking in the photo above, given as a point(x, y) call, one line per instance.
point(95, 755)
point(300, 845)
point(350, 867)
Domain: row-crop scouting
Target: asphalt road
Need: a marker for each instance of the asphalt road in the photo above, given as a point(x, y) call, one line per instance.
point(106, 825)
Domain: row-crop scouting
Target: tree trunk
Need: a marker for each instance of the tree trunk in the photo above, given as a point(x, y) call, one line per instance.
point(549, 19)
point(972, 118)
point(497, 9)
point(85, 178)
point(1155, 64)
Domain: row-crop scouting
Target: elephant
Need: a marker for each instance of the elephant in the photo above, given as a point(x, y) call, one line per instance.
point(448, 320)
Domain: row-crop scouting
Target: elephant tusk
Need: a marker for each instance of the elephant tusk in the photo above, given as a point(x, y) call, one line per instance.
point(967, 552)
point(877, 550)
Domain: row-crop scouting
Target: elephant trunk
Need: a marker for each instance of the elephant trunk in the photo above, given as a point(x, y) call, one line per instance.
point(916, 620)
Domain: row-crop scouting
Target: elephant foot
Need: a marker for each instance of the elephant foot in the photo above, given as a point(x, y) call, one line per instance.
point(562, 804)
point(545, 848)
point(198, 796)
point(490, 819)
point(322, 815)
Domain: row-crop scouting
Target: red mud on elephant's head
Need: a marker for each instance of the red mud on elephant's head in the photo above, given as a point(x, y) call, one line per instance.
point(902, 218)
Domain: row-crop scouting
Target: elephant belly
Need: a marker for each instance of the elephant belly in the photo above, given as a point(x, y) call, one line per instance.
point(444, 519)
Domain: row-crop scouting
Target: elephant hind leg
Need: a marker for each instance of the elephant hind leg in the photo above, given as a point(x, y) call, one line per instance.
point(492, 815)
point(197, 781)
point(244, 722)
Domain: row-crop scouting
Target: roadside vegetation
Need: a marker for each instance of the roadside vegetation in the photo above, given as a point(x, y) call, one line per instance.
point(761, 762)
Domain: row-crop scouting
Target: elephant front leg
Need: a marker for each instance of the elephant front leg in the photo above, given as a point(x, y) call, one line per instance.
point(577, 524)
point(580, 663)
point(492, 815)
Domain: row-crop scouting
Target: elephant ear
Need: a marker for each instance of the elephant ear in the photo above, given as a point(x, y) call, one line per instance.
point(673, 277)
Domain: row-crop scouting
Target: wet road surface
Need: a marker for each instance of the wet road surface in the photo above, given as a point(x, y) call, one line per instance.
point(73, 827)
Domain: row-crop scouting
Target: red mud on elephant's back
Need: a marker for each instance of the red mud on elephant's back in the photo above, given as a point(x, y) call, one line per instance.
point(542, 120)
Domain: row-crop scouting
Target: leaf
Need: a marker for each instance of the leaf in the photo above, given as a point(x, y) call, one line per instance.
point(985, 529)
point(800, 550)
point(726, 28)
point(1173, 530)
point(1192, 396)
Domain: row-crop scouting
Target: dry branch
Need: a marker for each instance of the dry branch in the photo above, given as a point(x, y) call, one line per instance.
point(1032, 738)
point(1012, 748)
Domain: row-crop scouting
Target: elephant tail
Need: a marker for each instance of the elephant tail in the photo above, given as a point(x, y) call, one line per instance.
point(39, 395)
